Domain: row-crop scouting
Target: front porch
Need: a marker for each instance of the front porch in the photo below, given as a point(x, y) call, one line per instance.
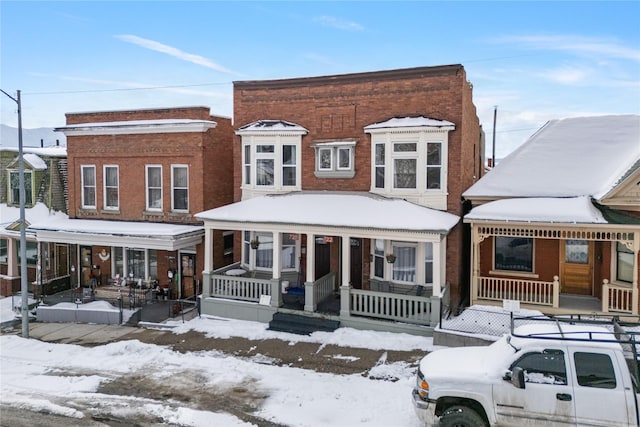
point(252, 296)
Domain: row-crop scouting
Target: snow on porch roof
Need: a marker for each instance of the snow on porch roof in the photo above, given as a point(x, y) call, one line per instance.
point(400, 122)
point(119, 233)
point(333, 209)
point(572, 210)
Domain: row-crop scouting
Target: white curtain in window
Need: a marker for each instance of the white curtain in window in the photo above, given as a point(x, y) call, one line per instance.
point(264, 253)
point(404, 269)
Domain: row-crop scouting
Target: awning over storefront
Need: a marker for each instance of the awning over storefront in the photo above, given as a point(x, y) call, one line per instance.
point(331, 210)
point(144, 235)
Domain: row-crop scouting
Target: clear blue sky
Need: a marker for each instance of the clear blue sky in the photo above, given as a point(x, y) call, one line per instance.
point(535, 61)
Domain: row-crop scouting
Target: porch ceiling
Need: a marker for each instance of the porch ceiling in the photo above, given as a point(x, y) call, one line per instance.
point(331, 210)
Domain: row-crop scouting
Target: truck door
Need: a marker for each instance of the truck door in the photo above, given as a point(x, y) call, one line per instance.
point(601, 397)
point(546, 400)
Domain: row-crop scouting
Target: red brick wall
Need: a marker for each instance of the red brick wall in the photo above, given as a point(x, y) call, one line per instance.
point(546, 259)
point(335, 107)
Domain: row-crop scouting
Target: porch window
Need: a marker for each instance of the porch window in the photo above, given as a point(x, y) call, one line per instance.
point(378, 258)
point(288, 254)
point(88, 187)
point(227, 238)
point(513, 254)
point(3, 251)
point(179, 187)
point(135, 263)
point(428, 263)
point(264, 253)
point(118, 261)
point(404, 268)
point(154, 187)
point(31, 252)
point(246, 248)
point(624, 263)
point(111, 197)
point(14, 182)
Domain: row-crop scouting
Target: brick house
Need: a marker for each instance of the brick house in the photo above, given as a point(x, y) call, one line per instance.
point(136, 178)
point(556, 225)
point(45, 174)
point(356, 181)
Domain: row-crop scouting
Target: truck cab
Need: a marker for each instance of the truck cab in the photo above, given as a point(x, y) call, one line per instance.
point(542, 374)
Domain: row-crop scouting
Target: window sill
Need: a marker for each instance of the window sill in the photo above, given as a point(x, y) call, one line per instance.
point(335, 174)
point(110, 211)
point(514, 273)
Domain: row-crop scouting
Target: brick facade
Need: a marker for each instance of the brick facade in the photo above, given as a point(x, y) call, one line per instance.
point(339, 108)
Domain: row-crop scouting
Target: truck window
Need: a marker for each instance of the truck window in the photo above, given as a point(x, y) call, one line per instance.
point(545, 367)
point(594, 370)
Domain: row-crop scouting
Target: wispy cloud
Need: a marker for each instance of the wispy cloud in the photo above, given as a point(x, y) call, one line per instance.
point(573, 44)
point(175, 52)
point(339, 23)
point(319, 58)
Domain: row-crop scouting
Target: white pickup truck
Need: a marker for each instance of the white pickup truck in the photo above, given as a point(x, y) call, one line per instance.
point(542, 374)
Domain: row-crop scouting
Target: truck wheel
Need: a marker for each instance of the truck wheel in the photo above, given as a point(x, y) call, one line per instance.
point(461, 416)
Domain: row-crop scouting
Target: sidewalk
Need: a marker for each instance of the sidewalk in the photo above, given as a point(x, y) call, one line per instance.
point(314, 356)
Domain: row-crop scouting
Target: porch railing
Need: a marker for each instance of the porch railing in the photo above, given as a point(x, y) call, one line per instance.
point(240, 288)
point(616, 298)
point(404, 308)
point(324, 287)
point(525, 291)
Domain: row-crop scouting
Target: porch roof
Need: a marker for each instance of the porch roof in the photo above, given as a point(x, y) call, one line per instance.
point(144, 235)
point(333, 209)
point(572, 210)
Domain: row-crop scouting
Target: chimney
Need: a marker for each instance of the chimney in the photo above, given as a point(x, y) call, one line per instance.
point(41, 143)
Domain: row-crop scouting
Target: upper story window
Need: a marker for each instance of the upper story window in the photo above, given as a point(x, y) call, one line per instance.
point(88, 186)
point(180, 188)
point(14, 188)
point(335, 159)
point(271, 156)
point(111, 187)
point(409, 159)
point(154, 187)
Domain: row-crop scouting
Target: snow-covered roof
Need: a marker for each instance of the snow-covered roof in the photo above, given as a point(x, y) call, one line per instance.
point(38, 213)
point(334, 209)
point(137, 127)
point(573, 210)
point(583, 156)
point(34, 160)
point(409, 122)
point(128, 233)
point(271, 126)
point(52, 151)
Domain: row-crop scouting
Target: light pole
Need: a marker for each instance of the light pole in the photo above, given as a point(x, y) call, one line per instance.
point(23, 233)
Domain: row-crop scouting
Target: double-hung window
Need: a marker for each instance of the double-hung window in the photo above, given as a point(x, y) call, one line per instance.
point(434, 165)
point(111, 188)
point(154, 187)
point(265, 165)
point(379, 163)
point(404, 267)
point(14, 183)
point(179, 188)
point(624, 263)
point(405, 161)
point(88, 186)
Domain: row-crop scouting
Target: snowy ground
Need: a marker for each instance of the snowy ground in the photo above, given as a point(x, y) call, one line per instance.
point(151, 385)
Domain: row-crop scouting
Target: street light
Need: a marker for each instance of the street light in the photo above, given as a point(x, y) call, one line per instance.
point(23, 233)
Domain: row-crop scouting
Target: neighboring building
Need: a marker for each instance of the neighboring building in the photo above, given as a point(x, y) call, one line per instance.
point(556, 224)
point(45, 179)
point(349, 184)
point(136, 179)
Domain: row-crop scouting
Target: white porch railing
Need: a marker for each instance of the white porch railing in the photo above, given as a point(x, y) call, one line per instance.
point(324, 287)
point(240, 288)
point(616, 298)
point(404, 308)
point(525, 291)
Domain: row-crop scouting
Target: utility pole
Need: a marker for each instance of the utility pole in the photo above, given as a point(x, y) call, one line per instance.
point(493, 154)
point(23, 232)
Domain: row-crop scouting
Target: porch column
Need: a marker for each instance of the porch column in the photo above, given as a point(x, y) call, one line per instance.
point(438, 277)
point(309, 295)
point(208, 249)
point(475, 262)
point(12, 258)
point(345, 266)
point(634, 289)
point(276, 269)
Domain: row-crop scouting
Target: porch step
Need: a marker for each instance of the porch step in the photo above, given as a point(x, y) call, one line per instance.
point(303, 325)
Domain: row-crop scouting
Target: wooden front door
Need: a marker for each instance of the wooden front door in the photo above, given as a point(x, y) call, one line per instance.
point(187, 277)
point(576, 267)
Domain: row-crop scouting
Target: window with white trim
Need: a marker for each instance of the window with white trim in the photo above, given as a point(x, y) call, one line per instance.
point(428, 263)
point(88, 178)
point(405, 263)
point(265, 165)
point(288, 251)
point(14, 188)
point(624, 263)
point(335, 159)
point(246, 161)
point(179, 188)
point(111, 187)
point(379, 162)
point(404, 160)
point(513, 254)
point(378, 258)
point(404, 267)
point(434, 165)
point(154, 187)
